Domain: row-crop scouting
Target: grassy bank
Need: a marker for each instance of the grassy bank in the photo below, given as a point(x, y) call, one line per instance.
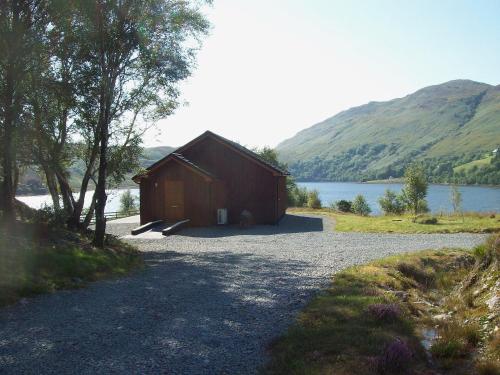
point(37, 258)
point(380, 317)
point(472, 222)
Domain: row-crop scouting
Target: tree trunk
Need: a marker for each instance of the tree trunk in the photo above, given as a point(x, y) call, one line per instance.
point(52, 186)
point(100, 191)
point(74, 219)
point(90, 214)
point(8, 153)
point(66, 193)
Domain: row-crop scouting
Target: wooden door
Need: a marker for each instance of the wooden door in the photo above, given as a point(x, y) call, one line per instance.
point(174, 200)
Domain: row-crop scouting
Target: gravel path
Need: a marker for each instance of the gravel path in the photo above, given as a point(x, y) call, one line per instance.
point(209, 302)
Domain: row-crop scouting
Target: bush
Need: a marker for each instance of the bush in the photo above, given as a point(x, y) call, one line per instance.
point(423, 207)
point(391, 203)
point(387, 312)
point(48, 215)
point(297, 197)
point(490, 249)
point(360, 206)
point(313, 200)
point(427, 220)
point(396, 358)
point(127, 202)
point(343, 206)
point(448, 349)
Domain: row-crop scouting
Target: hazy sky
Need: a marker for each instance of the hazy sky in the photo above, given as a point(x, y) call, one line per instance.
point(270, 68)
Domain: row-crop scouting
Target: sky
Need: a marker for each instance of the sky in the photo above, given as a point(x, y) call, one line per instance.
point(270, 68)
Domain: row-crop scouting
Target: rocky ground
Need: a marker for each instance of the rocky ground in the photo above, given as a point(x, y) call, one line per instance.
point(209, 301)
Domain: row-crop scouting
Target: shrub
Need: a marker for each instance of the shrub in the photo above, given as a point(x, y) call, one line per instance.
point(396, 358)
point(127, 202)
point(343, 206)
point(360, 206)
point(423, 207)
point(391, 203)
point(448, 349)
point(415, 188)
point(48, 215)
point(456, 339)
point(297, 197)
point(388, 312)
point(489, 249)
point(313, 200)
point(427, 220)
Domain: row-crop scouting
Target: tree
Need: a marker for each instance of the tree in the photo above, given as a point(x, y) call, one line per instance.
point(343, 205)
point(127, 202)
point(456, 198)
point(391, 203)
point(313, 200)
point(20, 22)
point(415, 189)
point(135, 53)
point(360, 206)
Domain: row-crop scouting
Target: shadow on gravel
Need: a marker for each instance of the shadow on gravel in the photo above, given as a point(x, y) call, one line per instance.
point(288, 224)
point(197, 314)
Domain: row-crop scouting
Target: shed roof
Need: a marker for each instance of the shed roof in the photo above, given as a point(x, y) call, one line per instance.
point(181, 159)
point(234, 145)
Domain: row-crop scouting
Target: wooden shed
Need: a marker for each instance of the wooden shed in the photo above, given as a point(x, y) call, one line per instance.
point(212, 180)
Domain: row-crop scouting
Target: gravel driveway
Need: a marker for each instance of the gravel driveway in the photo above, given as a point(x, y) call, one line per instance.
point(209, 301)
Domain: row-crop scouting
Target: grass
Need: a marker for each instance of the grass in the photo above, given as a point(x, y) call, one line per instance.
point(338, 334)
point(475, 163)
point(369, 322)
point(40, 259)
point(469, 222)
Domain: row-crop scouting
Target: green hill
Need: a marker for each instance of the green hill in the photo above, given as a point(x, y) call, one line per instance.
point(153, 154)
point(442, 126)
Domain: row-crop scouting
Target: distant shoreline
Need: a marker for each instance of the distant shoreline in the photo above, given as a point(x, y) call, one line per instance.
point(396, 181)
point(371, 182)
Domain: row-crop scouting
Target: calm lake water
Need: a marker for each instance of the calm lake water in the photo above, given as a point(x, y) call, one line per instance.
point(112, 205)
point(474, 198)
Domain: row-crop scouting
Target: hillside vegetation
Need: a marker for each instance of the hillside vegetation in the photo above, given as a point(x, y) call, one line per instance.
point(443, 126)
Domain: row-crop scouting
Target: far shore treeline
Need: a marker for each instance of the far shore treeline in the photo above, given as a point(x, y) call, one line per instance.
point(78, 82)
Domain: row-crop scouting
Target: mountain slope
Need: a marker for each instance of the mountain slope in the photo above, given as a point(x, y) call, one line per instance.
point(453, 122)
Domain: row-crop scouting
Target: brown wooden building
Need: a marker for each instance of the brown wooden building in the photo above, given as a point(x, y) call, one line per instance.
point(211, 179)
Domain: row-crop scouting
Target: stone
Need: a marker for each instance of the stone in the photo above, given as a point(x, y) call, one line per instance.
point(492, 302)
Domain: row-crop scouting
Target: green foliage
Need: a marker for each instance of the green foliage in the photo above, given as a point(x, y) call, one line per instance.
point(427, 220)
point(360, 206)
point(127, 202)
point(297, 196)
point(39, 258)
point(391, 203)
point(343, 206)
point(456, 198)
point(442, 127)
point(48, 215)
point(313, 200)
point(415, 189)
